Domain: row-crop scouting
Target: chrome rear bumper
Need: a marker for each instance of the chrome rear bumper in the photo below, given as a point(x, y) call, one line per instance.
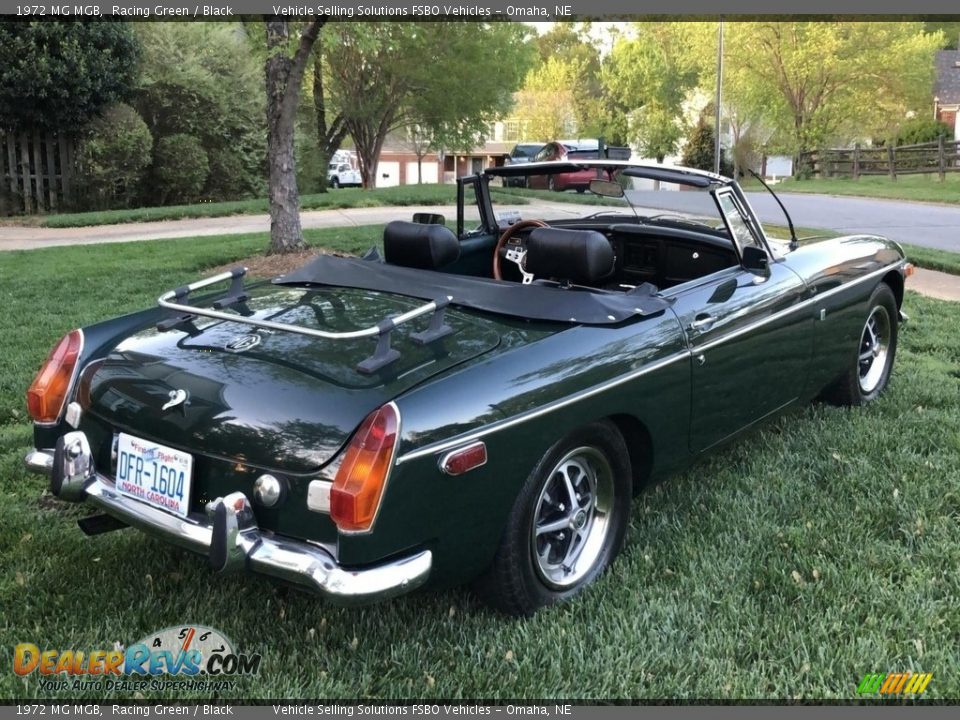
point(229, 537)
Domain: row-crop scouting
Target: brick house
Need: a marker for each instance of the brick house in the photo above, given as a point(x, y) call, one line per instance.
point(946, 89)
point(398, 162)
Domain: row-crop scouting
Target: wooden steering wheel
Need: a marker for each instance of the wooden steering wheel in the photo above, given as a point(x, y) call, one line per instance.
point(507, 234)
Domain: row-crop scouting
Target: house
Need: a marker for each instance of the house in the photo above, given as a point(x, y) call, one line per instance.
point(398, 163)
point(946, 89)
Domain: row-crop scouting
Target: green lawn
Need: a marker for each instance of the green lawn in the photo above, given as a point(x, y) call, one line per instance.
point(787, 566)
point(404, 195)
point(334, 199)
point(906, 187)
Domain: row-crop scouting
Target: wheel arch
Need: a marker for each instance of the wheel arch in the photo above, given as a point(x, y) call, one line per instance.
point(639, 444)
point(895, 280)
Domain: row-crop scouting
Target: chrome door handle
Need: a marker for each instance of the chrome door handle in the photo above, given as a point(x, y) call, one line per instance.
point(702, 323)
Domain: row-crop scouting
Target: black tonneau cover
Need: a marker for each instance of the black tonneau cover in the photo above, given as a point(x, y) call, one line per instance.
point(533, 302)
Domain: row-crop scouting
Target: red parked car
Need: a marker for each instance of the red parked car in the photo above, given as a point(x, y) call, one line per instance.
point(578, 180)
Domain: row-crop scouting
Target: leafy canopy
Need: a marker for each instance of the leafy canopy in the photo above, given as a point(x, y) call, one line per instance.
point(58, 76)
point(828, 81)
point(205, 81)
point(451, 78)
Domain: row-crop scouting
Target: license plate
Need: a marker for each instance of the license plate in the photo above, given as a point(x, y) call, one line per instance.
point(154, 474)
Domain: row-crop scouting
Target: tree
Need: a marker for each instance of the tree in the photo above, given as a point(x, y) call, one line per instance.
point(58, 76)
point(331, 128)
point(451, 78)
point(657, 131)
point(284, 76)
point(823, 81)
point(205, 80)
point(545, 105)
point(420, 142)
point(572, 45)
point(951, 33)
point(700, 150)
point(651, 73)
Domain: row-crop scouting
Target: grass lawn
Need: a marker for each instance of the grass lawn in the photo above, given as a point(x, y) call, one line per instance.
point(906, 187)
point(932, 259)
point(333, 200)
point(787, 566)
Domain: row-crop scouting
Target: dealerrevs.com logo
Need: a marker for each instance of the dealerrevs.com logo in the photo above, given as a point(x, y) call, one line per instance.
point(188, 657)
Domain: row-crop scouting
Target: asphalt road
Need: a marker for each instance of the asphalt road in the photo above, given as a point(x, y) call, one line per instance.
point(927, 224)
point(930, 225)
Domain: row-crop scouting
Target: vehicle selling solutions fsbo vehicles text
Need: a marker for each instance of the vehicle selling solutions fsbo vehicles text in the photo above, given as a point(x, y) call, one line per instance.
point(419, 11)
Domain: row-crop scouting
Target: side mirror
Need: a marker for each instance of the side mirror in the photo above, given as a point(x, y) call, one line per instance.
point(429, 218)
point(756, 260)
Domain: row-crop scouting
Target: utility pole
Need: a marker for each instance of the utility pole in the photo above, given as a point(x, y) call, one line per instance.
point(716, 148)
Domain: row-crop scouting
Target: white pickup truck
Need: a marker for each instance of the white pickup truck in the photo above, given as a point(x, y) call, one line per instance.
point(341, 174)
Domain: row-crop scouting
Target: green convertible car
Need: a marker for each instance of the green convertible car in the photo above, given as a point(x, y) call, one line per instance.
point(478, 403)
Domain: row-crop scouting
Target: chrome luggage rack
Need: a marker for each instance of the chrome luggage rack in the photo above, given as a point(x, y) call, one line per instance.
point(176, 300)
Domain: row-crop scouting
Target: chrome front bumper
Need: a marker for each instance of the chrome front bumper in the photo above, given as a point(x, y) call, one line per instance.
point(229, 537)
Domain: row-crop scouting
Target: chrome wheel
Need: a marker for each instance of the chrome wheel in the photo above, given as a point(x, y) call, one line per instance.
point(874, 349)
point(572, 517)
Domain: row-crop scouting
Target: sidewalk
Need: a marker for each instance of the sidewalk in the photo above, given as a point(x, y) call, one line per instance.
point(935, 284)
point(17, 237)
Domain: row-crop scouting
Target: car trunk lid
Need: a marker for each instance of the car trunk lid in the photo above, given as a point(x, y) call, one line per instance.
point(272, 399)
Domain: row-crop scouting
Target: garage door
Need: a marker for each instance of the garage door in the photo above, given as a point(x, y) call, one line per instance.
point(388, 174)
point(428, 172)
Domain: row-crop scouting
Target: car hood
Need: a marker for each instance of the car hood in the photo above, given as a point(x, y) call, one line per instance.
point(290, 401)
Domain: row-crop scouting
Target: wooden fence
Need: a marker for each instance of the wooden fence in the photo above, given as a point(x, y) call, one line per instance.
point(938, 157)
point(35, 173)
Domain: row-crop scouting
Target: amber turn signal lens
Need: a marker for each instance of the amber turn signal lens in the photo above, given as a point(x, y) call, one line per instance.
point(358, 487)
point(48, 392)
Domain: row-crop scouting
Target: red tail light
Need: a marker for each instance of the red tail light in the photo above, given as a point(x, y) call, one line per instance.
point(358, 487)
point(48, 392)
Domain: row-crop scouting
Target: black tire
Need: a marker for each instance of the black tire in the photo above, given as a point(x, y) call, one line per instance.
point(529, 570)
point(872, 360)
point(581, 191)
point(335, 183)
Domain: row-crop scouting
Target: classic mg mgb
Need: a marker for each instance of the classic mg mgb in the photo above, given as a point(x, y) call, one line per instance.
point(471, 404)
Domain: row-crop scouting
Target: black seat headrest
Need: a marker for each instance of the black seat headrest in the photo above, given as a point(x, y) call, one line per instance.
point(416, 245)
point(582, 257)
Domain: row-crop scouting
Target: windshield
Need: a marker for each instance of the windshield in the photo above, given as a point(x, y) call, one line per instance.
point(570, 199)
point(525, 151)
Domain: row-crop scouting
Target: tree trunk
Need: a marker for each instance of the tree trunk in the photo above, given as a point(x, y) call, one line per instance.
point(329, 135)
point(284, 76)
point(320, 108)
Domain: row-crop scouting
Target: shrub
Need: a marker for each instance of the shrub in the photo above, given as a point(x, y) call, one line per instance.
point(230, 178)
point(921, 130)
point(113, 156)
point(206, 80)
point(699, 150)
point(180, 169)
